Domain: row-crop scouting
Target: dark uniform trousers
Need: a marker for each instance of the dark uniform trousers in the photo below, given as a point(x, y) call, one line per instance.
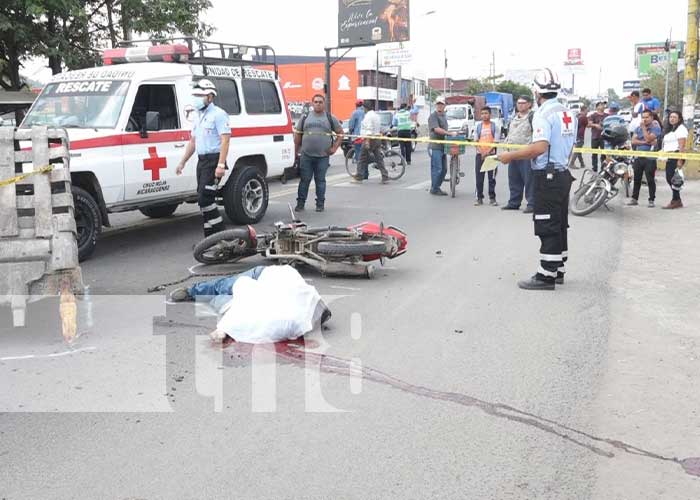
point(551, 219)
point(206, 193)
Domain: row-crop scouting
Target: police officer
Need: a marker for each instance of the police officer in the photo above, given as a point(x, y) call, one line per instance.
point(210, 138)
point(403, 123)
point(553, 138)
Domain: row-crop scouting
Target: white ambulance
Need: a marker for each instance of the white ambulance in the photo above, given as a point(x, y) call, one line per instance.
point(130, 120)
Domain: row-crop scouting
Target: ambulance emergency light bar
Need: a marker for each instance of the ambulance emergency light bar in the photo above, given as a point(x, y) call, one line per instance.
point(162, 53)
point(191, 50)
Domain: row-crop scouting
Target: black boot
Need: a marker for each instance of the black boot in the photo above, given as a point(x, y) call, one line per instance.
point(559, 279)
point(299, 207)
point(536, 283)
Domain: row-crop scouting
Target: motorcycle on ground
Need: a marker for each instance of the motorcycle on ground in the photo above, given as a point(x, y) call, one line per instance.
point(331, 250)
point(597, 189)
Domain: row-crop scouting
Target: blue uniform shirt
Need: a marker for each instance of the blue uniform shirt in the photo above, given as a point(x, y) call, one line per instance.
point(208, 127)
point(654, 128)
point(555, 124)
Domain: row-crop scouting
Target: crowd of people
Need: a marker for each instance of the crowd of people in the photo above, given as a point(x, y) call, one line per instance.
point(648, 132)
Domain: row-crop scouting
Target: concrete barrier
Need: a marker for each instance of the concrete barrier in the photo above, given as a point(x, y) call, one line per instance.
point(38, 248)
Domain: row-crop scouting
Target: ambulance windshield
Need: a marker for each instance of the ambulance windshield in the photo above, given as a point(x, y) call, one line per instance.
point(79, 104)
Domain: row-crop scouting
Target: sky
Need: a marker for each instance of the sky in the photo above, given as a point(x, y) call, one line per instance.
point(521, 35)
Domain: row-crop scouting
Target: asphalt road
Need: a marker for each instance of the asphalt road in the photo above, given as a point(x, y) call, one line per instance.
point(438, 379)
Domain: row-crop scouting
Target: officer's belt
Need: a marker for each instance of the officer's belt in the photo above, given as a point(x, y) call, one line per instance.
point(208, 156)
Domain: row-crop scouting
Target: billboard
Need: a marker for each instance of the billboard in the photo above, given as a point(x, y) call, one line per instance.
point(573, 57)
point(648, 56)
point(367, 22)
point(631, 85)
point(301, 81)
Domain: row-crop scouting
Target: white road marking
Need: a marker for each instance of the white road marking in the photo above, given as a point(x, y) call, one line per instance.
point(346, 288)
point(419, 186)
point(42, 356)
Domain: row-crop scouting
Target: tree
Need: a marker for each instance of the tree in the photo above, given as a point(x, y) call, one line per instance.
point(613, 97)
point(513, 88)
point(656, 81)
point(70, 33)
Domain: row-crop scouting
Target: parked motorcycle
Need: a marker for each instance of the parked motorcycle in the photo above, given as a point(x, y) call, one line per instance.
point(597, 189)
point(332, 250)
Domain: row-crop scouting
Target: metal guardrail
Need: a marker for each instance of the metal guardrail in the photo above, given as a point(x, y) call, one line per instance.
point(38, 248)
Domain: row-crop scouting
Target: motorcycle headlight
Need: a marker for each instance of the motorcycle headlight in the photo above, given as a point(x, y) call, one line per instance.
point(620, 169)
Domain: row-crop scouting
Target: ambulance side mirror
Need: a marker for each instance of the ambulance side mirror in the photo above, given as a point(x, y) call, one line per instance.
point(152, 123)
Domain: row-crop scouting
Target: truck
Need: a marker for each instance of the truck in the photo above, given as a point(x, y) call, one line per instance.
point(501, 104)
point(461, 111)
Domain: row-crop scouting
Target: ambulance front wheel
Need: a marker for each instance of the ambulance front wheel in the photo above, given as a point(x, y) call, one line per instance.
point(88, 222)
point(246, 195)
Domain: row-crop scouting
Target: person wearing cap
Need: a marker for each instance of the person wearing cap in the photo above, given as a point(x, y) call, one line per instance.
point(355, 127)
point(211, 134)
point(437, 124)
point(520, 171)
point(553, 138)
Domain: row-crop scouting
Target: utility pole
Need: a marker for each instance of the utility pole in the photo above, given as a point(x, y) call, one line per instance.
point(493, 65)
point(691, 63)
point(376, 82)
point(444, 79)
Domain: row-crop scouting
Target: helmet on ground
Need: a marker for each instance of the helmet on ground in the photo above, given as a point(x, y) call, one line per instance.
point(546, 81)
point(616, 135)
point(204, 87)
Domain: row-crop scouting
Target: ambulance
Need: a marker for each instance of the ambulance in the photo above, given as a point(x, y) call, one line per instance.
point(129, 122)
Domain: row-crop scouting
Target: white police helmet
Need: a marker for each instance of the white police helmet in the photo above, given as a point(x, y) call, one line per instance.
point(204, 87)
point(546, 82)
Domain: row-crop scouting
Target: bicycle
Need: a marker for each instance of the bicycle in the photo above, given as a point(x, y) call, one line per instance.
point(455, 150)
point(394, 162)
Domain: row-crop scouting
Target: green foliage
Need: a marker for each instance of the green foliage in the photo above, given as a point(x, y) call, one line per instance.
point(656, 81)
point(70, 33)
point(513, 88)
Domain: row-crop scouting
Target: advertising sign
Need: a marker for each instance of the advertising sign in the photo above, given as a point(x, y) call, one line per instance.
point(394, 57)
point(573, 57)
point(630, 85)
point(649, 56)
point(367, 22)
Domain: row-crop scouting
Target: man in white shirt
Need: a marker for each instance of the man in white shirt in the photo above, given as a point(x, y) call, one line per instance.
point(371, 126)
point(637, 108)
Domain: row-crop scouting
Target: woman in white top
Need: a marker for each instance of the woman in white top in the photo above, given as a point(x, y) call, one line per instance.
point(674, 141)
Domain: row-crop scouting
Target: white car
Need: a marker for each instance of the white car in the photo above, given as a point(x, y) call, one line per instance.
point(129, 122)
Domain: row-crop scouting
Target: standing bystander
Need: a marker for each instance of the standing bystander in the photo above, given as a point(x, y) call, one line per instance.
point(644, 140)
point(675, 142)
point(403, 123)
point(582, 119)
point(355, 128)
point(487, 133)
point(315, 143)
point(595, 123)
point(520, 171)
point(437, 123)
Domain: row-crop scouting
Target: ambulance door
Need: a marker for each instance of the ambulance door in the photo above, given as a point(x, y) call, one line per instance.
point(151, 156)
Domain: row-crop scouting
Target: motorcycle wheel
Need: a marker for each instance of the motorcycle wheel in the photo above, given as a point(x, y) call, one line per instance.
point(350, 167)
point(454, 172)
point(395, 164)
point(225, 246)
point(351, 248)
point(584, 204)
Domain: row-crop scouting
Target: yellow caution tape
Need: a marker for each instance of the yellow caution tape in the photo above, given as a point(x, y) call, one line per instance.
point(21, 177)
point(616, 152)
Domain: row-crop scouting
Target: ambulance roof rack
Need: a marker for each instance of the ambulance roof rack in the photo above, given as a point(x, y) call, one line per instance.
point(207, 52)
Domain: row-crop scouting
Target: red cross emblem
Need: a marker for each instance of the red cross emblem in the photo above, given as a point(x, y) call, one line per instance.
point(567, 120)
point(154, 163)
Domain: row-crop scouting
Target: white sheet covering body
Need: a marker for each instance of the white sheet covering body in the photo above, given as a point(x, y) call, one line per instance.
point(280, 305)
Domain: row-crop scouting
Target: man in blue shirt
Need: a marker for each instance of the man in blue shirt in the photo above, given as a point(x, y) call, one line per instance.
point(211, 134)
point(651, 103)
point(643, 140)
point(553, 138)
point(355, 127)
